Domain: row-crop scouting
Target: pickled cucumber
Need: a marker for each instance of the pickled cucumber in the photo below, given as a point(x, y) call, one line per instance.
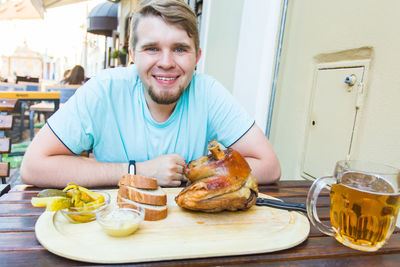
point(51, 193)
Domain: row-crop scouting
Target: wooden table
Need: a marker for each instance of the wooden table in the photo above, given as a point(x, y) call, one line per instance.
point(23, 96)
point(7, 104)
point(18, 245)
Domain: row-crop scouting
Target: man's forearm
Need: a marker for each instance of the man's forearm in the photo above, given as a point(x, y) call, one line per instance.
point(58, 170)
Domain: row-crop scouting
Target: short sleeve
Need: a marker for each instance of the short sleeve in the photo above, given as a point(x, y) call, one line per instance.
point(73, 123)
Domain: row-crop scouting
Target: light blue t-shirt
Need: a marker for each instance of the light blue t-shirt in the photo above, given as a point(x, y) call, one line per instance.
point(109, 114)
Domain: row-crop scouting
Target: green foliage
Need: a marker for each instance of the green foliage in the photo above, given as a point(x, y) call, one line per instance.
point(117, 53)
point(15, 161)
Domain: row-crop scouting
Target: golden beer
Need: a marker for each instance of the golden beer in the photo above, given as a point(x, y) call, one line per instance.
point(363, 210)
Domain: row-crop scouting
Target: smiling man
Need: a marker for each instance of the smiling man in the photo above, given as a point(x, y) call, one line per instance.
point(154, 116)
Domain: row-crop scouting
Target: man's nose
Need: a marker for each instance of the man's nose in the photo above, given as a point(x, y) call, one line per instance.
point(166, 60)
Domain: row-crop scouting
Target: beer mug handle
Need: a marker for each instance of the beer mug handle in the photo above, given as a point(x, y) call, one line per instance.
point(312, 198)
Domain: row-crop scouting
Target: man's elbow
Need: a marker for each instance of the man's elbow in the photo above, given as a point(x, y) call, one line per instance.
point(30, 171)
point(276, 171)
point(273, 172)
point(25, 174)
point(276, 174)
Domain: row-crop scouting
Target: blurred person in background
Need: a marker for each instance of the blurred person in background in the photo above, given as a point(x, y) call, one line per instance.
point(66, 73)
point(76, 76)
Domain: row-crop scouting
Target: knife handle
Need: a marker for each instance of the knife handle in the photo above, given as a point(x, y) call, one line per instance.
point(281, 205)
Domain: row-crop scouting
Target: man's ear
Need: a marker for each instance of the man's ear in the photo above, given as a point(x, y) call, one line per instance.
point(132, 55)
point(198, 55)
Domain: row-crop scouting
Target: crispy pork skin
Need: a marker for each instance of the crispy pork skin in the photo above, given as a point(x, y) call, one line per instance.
point(233, 164)
point(219, 181)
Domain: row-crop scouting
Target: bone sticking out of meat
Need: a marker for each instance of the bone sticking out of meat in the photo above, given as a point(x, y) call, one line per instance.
point(220, 181)
point(217, 153)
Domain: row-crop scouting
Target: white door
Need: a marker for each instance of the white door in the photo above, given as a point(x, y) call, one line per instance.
point(332, 119)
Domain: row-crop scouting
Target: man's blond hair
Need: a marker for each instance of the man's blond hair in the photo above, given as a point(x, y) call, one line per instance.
point(175, 12)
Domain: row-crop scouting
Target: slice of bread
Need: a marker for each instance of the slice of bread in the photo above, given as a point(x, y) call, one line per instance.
point(146, 196)
point(138, 181)
point(152, 213)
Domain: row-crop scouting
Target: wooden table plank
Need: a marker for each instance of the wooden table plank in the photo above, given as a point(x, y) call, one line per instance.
point(18, 224)
point(19, 241)
point(24, 188)
point(37, 258)
point(17, 197)
point(8, 104)
point(288, 183)
point(25, 209)
point(290, 192)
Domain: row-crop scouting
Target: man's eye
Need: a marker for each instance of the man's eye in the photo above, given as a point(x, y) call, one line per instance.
point(151, 49)
point(180, 50)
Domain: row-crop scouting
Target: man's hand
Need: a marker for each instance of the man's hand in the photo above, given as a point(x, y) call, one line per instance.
point(167, 169)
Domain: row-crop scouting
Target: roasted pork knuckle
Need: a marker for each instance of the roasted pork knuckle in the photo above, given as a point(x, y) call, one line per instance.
point(219, 181)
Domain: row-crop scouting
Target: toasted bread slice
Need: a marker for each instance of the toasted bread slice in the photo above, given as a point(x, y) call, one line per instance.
point(138, 181)
point(146, 196)
point(152, 213)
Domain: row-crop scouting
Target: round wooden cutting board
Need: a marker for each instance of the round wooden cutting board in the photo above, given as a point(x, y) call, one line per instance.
point(182, 235)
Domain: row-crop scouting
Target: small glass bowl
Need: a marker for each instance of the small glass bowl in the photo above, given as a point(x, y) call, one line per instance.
point(86, 214)
point(118, 221)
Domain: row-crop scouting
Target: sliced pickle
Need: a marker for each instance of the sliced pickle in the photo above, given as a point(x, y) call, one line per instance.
point(51, 193)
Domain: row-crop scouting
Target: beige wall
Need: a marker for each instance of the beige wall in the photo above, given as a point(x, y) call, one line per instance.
point(221, 47)
point(316, 27)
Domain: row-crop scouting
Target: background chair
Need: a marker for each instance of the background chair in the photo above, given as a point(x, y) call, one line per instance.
point(66, 91)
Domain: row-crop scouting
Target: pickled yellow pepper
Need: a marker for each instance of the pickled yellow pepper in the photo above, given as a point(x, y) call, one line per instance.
point(82, 197)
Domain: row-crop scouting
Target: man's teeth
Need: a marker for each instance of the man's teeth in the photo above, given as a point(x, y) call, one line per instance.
point(164, 78)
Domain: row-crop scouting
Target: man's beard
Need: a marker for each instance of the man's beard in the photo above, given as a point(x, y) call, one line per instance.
point(165, 98)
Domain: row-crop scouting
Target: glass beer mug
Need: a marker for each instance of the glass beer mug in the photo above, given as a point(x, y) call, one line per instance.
point(364, 203)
